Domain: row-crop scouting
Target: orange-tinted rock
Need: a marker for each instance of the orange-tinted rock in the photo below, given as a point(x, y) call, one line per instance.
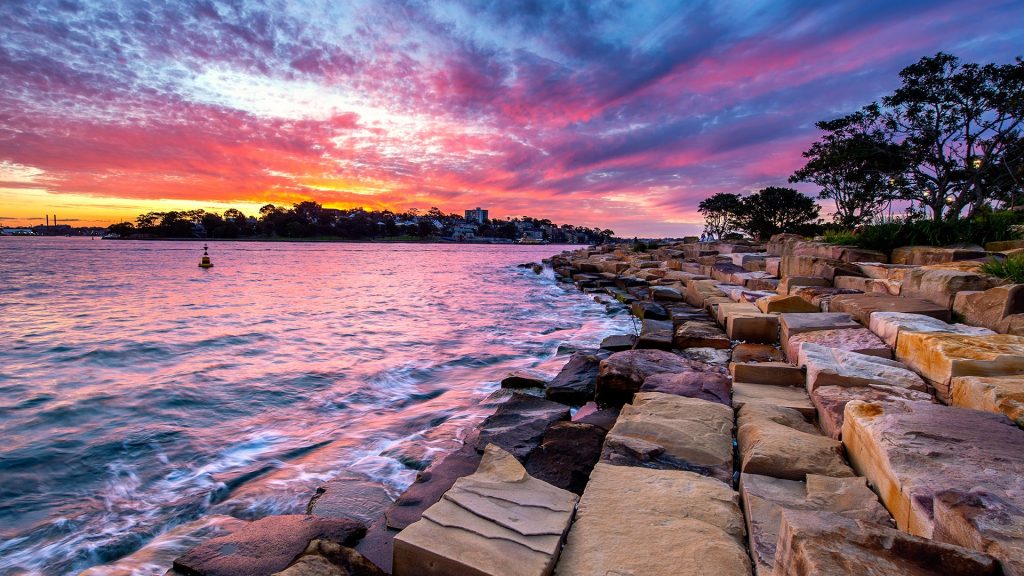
point(747, 352)
point(827, 366)
point(861, 306)
point(988, 308)
point(940, 357)
point(831, 402)
point(778, 442)
point(981, 520)
point(1000, 394)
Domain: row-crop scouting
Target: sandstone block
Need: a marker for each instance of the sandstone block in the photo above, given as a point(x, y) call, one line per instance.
point(696, 334)
point(655, 522)
point(647, 310)
point(861, 306)
point(778, 442)
point(882, 271)
point(765, 499)
point(788, 283)
point(940, 357)
point(1000, 394)
point(926, 255)
point(859, 340)
point(831, 402)
point(910, 451)
point(827, 366)
point(988, 308)
point(780, 304)
point(712, 387)
point(1004, 245)
point(889, 325)
point(326, 558)
point(785, 396)
point(698, 291)
point(816, 543)
point(773, 373)
point(567, 454)
point(941, 285)
point(673, 432)
point(717, 357)
point(981, 520)
point(518, 424)
point(748, 352)
point(800, 322)
point(497, 521)
point(622, 373)
point(750, 327)
point(734, 308)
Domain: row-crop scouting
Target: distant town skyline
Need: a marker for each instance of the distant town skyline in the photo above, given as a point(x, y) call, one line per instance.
point(604, 114)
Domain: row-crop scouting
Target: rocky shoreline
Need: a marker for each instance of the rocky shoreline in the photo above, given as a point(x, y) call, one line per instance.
point(789, 408)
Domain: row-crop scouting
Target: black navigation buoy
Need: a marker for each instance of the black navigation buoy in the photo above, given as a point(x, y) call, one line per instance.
point(205, 262)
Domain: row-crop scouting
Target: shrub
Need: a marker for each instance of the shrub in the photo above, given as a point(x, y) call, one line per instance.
point(842, 237)
point(1012, 269)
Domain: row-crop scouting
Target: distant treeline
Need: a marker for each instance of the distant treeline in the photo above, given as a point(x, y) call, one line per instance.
point(948, 142)
point(310, 219)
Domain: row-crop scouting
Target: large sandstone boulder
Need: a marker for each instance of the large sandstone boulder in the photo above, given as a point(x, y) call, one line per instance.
point(753, 327)
point(1000, 394)
point(713, 387)
point(858, 340)
point(988, 308)
point(927, 255)
point(831, 402)
point(622, 373)
point(911, 451)
point(779, 304)
point(789, 284)
point(656, 523)
point(827, 366)
point(673, 432)
point(765, 499)
point(794, 397)
point(862, 306)
point(818, 543)
point(574, 384)
point(940, 357)
point(889, 325)
point(778, 442)
point(497, 521)
point(266, 546)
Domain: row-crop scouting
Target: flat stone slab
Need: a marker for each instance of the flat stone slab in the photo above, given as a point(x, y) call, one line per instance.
point(622, 373)
point(831, 402)
point(656, 523)
point(700, 334)
point(753, 327)
point(574, 383)
point(778, 442)
point(519, 423)
point(940, 357)
point(888, 326)
point(734, 308)
point(497, 521)
point(266, 546)
point(860, 340)
point(786, 396)
point(799, 322)
point(817, 543)
point(673, 432)
point(862, 306)
point(765, 499)
point(827, 366)
point(912, 451)
point(353, 498)
point(999, 394)
point(713, 387)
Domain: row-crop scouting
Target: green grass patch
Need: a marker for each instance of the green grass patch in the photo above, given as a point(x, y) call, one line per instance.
point(841, 237)
point(1012, 269)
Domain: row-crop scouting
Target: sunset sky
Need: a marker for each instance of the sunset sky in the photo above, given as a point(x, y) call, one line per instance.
point(622, 115)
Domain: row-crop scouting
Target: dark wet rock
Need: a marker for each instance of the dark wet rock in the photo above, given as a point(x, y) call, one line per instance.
point(590, 413)
point(574, 384)
point(325, 558)
point(378, 545)
point(524, 379)
point(265, 546)
point(518, 425)
point(567, 455)
point(353, 498)
point(622, 373)
point(700, 334)
point(656, 334)
point(430, 485)
point(618, 343)
point(713, 387)
point(648, 310)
